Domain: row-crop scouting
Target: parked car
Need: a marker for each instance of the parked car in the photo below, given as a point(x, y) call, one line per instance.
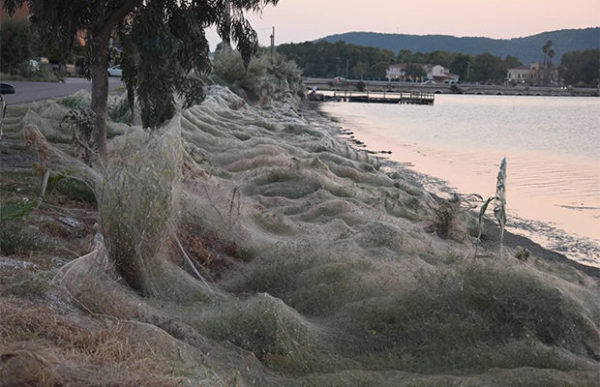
point(5, 88)
point(115, 71)
point(339, 80)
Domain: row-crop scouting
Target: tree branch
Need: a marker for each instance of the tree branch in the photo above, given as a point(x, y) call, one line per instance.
point(11, 5)
point(117, 15)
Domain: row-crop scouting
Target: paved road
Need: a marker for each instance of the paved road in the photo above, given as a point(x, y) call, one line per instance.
point(34, 91)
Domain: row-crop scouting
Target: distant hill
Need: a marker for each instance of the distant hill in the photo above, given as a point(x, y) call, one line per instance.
point(527, 49)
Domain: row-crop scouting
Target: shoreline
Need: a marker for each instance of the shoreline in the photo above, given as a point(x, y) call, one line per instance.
point(491, 239)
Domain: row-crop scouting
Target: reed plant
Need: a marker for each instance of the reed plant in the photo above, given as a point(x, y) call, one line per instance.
point(499, 201)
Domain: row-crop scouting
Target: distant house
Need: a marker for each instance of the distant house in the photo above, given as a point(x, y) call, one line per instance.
point(436, 73)
point(533, 74)
point(521, 74)
point(452, 77)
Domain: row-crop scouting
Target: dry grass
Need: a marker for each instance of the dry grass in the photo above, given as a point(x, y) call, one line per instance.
point(39, 346)
point(28, 364)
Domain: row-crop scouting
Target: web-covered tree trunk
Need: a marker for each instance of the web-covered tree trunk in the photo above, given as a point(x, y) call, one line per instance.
point(98, 71)
point(107, 17)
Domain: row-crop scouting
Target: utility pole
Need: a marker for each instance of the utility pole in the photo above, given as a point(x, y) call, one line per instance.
point(347, 62)
point(273, 41)
point(468, 69)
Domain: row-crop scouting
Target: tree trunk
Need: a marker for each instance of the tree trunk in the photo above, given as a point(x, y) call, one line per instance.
point(99, 73)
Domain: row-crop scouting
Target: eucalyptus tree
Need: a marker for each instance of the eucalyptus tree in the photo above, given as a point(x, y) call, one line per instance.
point(164, 41)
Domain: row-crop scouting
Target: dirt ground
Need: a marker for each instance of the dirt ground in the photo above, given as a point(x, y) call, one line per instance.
point(45, 337)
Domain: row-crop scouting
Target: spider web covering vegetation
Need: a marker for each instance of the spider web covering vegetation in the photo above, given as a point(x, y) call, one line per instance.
point(312, 265)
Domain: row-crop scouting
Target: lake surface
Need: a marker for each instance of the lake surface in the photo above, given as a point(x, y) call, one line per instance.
point(552, 147)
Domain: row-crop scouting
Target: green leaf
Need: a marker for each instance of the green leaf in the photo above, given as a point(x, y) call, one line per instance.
point(481, 213)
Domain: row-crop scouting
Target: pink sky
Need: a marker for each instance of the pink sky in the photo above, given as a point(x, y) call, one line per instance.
point(302, 20)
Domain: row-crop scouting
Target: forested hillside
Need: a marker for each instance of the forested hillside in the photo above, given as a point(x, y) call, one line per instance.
point(527, 49)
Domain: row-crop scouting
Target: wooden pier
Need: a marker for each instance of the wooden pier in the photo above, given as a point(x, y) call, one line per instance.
point(413, 97)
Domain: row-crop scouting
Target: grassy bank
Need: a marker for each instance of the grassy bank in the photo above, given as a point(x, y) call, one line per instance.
point(271, 253)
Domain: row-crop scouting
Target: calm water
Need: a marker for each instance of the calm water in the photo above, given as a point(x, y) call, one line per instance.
point(552, 146)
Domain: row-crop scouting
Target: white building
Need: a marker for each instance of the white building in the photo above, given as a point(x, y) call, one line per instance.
point(438, 73)
point(396, 72)
point(521, 74)
point(435, 73)
point(534, 74)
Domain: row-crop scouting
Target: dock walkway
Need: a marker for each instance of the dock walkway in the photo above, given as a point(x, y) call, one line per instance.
point(413, 97)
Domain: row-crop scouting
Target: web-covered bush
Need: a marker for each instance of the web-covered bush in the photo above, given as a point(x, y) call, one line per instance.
point(268, 76)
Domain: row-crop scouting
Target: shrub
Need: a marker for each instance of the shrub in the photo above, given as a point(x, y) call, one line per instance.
point(76, 190)
point(77, 101)
point(229, 67)
point(470, 319)
point(136, 205)
point(30, 284)
point(445, 215)
point(82, 123)
point(274, 332)
point(16, 209)
point(522, 254)
point(16, 239)
point(267, 76)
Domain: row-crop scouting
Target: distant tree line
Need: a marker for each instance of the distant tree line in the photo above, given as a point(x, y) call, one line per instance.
point(581, 68)
point(327, 60)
